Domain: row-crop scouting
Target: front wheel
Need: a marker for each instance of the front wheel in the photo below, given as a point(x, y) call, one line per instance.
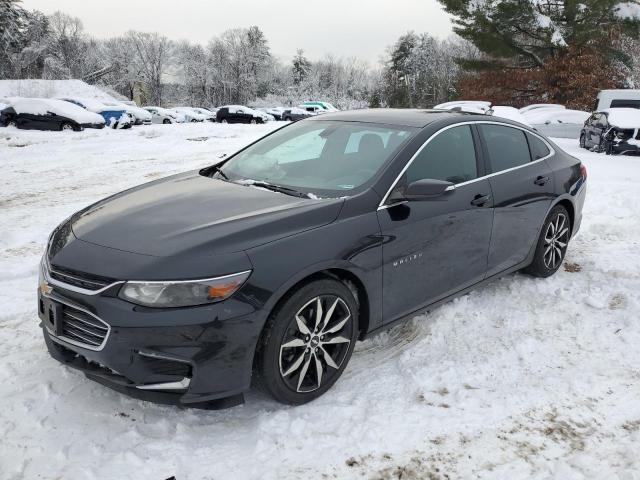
point(308, 342)
point(224, 120)
point(166, 121)
point(66, 127)
point(583, 141)
point(552, 244)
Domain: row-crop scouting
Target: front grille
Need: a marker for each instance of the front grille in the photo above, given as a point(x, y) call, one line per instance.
point(78, 279)
point(82, 328)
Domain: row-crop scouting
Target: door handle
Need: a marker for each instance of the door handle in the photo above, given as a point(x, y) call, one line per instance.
point(480, 199)
point(541, 180)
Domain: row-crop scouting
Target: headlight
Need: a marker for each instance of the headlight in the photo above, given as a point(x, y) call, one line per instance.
point(182, 293)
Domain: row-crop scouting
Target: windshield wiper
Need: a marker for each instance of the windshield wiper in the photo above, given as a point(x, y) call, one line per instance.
point(279, 188)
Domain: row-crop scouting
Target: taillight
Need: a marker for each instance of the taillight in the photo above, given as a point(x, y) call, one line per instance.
point(583, 172)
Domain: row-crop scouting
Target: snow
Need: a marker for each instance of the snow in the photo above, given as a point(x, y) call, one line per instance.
point(40, 106)
point(623, 117)
point(543, 115)
point(51, 89)
point(627, 10)
point(510, 113)
point(523, 378)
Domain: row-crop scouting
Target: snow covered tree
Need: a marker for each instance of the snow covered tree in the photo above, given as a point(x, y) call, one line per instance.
point(300, 67)
point(529, 47)
point(152, 54)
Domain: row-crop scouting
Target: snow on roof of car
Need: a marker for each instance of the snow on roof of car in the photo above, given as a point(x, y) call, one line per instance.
point(91, 104)
point(41, 106)
point(481, 104)
point(623, 117)
point(544, 115)
point(510, 113)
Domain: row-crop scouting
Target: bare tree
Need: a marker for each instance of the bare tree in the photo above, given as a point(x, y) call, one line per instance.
point(152, 53)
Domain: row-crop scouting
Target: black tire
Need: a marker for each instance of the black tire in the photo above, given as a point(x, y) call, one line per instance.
point(583, 141)
point(166, 121)
point(278, 354)
point(12, 123)
point(550, 254)
point(67, 126)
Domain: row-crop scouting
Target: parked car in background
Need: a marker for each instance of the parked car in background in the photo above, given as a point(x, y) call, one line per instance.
point(326, 106)
point(161, 115)
point(315, 236)
point(275, 112)
point(294, 114)
point(139, 116)
point(623, 98)
point(613, 131)
point(541, 106)
point(48, 114)
point(558, 122)
point(510, 113)
point(209, 115)
point(190, 115)
point(115, 117)
point(240, 114)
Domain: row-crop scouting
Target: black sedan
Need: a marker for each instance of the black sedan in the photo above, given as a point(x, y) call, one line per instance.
point(266, 268)
point(48, 114)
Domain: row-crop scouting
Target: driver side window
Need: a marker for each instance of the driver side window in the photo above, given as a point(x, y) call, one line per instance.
point(450, 156)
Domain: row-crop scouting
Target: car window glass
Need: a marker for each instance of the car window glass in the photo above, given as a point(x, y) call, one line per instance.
point(353, 142)
point(539, 149)
point(304, 147)
point(450, 156)
point(507, 147)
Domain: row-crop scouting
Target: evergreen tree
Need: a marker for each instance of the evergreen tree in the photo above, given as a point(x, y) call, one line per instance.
point(300, 67)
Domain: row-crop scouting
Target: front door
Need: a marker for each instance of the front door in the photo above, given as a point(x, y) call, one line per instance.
point(433, 248)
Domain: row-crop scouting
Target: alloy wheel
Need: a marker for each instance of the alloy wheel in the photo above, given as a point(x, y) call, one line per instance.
point(316, 343)
point(556, 239)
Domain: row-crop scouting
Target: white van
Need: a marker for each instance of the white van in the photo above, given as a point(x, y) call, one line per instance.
point(617, 99)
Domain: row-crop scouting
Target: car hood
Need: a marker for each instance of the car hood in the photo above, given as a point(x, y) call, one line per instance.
point(190, 213)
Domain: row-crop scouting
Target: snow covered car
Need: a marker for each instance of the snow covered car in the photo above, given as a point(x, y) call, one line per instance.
point(115, 117)
point(208, 114)
point(326, 106)
point(470, 106)
point(275, 112)
point(613, 131)
point(510, 113)
point(268, 266)
point(294, 114)
point(139, 116)
point(541, 106)
point(161, 115)
point(190, 115)
point(240, 114)
point(48, 114)
point(559, 123)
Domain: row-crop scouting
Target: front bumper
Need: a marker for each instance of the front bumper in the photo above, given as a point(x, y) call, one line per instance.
point(199, 357)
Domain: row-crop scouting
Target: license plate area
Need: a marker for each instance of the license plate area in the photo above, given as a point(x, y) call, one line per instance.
point(50, 312)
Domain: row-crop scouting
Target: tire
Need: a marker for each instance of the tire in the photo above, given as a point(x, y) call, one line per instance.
point(552, 244)
point(66, 127)
point(298, 360)
point(193, 120)
point(166, 121)
point(224, 120)
point(253, 121)
point(12, 123)
point(583, 141)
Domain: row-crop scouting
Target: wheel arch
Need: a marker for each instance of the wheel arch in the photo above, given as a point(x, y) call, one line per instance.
point(567, 203)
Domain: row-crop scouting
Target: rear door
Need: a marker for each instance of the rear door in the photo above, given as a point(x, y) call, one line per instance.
point(523, 189)
point(436, 247)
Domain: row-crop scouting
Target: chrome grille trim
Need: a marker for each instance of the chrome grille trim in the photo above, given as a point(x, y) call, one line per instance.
point(81, 337)
point(46, 272)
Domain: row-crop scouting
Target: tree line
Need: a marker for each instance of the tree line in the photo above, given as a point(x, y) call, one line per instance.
point(510, 52)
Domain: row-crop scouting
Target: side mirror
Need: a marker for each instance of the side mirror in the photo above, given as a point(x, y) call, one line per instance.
point(427, 188)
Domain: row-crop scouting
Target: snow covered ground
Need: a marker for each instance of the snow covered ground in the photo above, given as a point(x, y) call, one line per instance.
point(525, 378)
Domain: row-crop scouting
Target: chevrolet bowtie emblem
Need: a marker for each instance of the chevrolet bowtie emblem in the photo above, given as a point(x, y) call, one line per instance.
point(45, 288)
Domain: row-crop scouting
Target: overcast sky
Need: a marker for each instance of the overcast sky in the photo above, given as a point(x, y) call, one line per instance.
point(361, 28)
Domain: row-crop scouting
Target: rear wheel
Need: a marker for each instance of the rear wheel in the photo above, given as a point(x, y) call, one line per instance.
point(12, 123)
point(224, 120)
point(66, 127)
point(552, 244)
point(166, 121)
point(308, 342)
point(583, 141)
point(254, 121)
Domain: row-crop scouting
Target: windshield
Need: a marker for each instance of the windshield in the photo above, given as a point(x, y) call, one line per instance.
point(327, 158)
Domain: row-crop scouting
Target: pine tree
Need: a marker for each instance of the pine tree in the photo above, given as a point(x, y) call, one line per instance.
point(300, 67)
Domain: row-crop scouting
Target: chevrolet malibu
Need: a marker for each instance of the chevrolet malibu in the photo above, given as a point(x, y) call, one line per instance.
point(266, 268)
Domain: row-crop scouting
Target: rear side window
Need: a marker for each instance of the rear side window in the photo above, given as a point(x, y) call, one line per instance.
point(450, 156)
point(508, 147)
point(539, 149)
point(625, 103)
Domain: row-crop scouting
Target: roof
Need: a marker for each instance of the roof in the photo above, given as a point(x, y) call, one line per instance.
point(628, 118)
point(394, 116)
